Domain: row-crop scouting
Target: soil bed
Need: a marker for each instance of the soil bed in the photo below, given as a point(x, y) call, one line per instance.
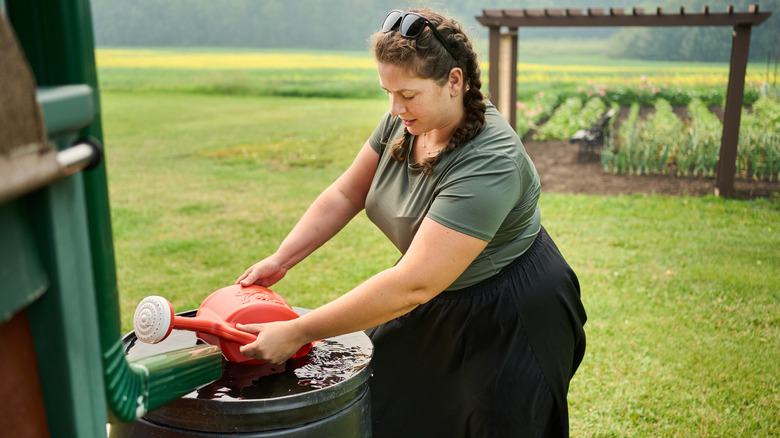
point(560, 172)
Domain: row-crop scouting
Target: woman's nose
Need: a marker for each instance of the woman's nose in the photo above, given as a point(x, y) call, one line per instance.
point(396, 106)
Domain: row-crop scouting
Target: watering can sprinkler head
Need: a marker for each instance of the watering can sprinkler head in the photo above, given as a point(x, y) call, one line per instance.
point(153, 319)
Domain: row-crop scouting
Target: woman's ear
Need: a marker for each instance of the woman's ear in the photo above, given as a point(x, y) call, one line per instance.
point(456, 82)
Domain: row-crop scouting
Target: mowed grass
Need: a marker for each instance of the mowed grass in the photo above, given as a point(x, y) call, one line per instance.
point(202, 186)
point(682, 294)
point(684, 314)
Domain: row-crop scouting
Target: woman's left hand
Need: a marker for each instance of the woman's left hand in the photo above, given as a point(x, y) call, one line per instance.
point(276, 341)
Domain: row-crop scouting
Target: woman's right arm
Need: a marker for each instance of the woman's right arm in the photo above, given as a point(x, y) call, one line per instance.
point(327, 215)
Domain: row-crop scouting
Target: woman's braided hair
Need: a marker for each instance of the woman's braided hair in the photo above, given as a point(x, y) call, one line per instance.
point(426, 58)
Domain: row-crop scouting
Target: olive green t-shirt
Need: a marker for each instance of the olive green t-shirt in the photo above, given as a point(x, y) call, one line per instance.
point(487, 188)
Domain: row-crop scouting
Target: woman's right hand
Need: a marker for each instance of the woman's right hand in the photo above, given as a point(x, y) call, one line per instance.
point(263, 273)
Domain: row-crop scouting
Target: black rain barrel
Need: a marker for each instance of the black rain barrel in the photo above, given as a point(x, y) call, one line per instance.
point(323, 394)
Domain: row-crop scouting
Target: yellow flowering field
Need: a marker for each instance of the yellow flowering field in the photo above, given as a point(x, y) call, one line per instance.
point(192, 60)
point(676, 74)
point(691, 75)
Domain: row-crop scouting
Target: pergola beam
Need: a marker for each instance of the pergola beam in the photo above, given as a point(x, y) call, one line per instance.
point(503, 56)
point(598, 17)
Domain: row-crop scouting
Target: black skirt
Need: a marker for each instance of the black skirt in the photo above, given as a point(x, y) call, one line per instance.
point(492, 360)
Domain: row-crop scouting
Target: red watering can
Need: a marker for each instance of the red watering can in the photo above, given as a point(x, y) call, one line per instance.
point(216, 319)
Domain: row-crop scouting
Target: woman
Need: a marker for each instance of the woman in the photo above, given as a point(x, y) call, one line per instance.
point(478, 328)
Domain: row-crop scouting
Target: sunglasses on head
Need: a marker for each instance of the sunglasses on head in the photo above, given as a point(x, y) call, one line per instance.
point(411, 25)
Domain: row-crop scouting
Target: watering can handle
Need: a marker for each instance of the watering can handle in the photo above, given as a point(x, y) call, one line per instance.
point(219, 329)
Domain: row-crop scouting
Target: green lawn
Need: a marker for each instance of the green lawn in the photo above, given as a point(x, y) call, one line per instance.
point(682, 294)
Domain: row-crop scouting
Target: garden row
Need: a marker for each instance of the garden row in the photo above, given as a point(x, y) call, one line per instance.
point(665, 144)
point(661, 143)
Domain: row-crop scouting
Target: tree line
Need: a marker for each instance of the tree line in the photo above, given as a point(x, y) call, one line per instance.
point(348, 24)
point(708, 43)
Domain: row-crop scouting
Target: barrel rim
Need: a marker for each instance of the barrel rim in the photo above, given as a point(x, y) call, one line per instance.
point(256, 415)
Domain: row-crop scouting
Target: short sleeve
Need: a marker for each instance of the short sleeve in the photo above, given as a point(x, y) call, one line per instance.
point(477, 196)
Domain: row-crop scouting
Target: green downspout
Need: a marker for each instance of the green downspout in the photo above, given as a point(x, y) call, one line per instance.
point(58, 41)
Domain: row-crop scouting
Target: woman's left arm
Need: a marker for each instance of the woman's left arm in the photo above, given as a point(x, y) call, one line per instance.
point(436, 258)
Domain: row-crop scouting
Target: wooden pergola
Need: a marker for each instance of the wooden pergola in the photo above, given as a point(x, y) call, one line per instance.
point(503, 57)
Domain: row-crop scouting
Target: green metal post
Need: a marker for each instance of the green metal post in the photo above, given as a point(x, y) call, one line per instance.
point(73, 219)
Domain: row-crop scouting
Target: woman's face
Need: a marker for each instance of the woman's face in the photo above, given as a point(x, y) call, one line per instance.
point(422, 104)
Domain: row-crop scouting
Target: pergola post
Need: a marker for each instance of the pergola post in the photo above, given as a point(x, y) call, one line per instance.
point(507, 85)
point(503, 72)
point(732, 116)
point(494, 38)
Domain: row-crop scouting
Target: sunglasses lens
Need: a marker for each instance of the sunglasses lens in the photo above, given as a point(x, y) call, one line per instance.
point(391, 21)
point(412, 26)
